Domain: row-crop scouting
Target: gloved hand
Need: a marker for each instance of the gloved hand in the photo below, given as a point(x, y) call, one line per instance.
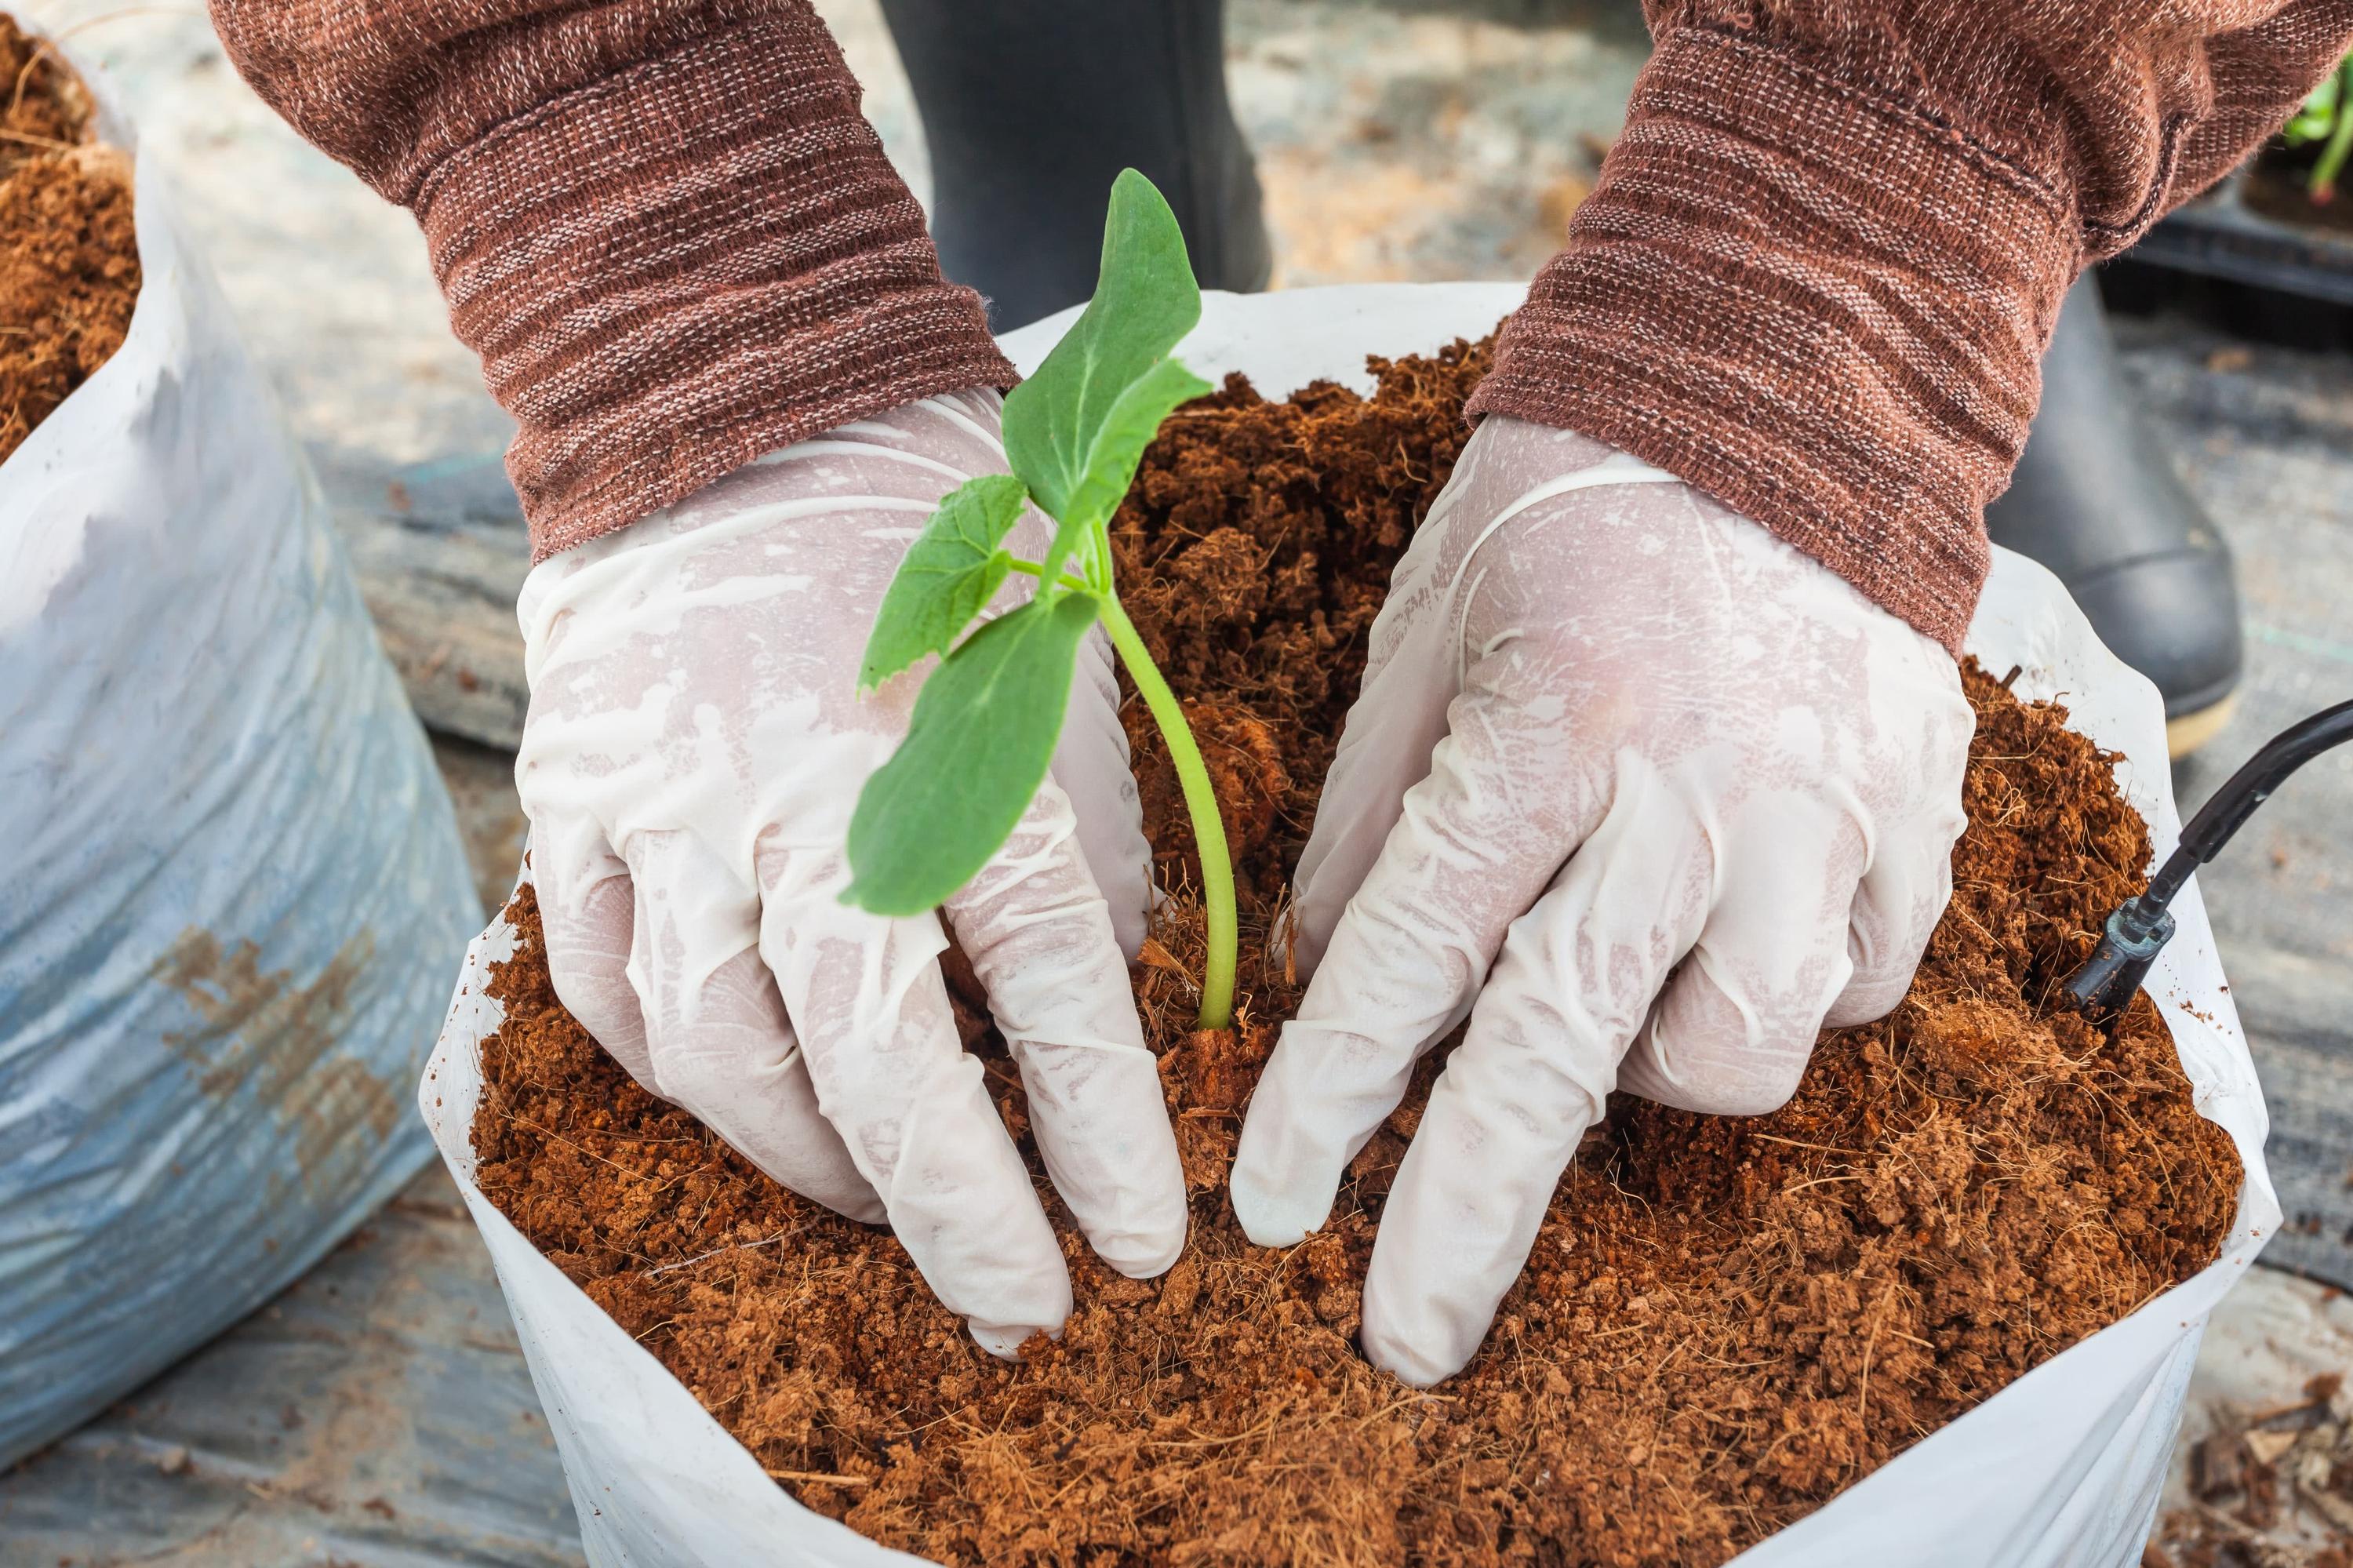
point(695, 749)
point(1646, 793)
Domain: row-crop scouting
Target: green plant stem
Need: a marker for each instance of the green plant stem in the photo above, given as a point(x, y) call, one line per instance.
point(2331, 161)
point(1201, 802)
point(1038, 570)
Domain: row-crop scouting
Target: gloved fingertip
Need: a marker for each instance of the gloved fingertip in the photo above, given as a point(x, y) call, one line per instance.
point(1866, 1002)
point(1143, 1253)
point(1276, 1214)
point(1142, 1235)
point(1283, 1183)
point(1129, 927)
point(1402, 1359)
point(1004, 1340)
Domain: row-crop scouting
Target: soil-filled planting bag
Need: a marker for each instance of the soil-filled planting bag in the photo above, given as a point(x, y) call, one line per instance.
point(2062, 1467)
point(234, 878)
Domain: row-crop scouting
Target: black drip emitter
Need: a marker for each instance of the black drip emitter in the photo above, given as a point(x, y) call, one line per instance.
point(2137, 932)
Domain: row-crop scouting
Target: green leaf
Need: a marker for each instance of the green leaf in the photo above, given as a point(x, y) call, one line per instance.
point(949, 575)
point(1119, 445)
point(2316, 120)
point(976, 749)
point(1074, 430)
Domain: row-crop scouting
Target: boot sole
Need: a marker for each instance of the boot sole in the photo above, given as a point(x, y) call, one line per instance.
point(2192, 730)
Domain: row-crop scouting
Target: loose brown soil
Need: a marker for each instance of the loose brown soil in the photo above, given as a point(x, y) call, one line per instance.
point(68, 256)
point(1252, 554)
point(1724, 1321)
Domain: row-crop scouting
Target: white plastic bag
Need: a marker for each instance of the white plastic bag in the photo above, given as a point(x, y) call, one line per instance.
point(2061, 1467)
point(233, 880)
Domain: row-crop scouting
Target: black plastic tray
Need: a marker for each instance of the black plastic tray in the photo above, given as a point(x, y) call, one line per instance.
point(2219, 235)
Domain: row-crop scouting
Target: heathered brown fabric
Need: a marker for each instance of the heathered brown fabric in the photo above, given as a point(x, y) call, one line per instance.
point(663, 224)
point(1815, 279)
point(1820, 268)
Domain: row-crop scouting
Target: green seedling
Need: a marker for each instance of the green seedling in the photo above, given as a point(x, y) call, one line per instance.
point(2325, 121)
point(986, 722)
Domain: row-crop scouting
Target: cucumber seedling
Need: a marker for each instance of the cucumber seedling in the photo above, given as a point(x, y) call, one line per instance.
point(986, 722)
point(2325, 121)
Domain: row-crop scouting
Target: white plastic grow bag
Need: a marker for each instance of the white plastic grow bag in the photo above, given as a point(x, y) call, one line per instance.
point(2061, 1467)
point(233, 880)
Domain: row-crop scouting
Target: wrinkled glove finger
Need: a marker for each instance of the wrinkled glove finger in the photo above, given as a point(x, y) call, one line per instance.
point(1469, 854)
point(1574, 980)
point(1442, 617)
point(1386, 749)
point(1896, 908)
point(588, 913)
point(1090, 767)
point(1392, 728)
point(1910, 880)
point(1732, 1032)
point(717, 1034)
point(866, 997)
point(1039, 939)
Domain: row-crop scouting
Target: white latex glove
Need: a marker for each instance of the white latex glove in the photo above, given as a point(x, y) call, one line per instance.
point(693, 752)
point(1646, 793)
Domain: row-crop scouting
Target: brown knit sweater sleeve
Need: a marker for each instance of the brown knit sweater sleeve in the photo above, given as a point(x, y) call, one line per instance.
point(663, 224)
point(1819, 270)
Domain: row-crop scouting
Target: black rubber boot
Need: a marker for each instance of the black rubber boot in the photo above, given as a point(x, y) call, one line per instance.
point(1032, 108)
point(2095, 499)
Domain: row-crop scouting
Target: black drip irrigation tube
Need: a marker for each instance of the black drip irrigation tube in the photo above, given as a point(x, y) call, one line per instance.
point(2137, 932)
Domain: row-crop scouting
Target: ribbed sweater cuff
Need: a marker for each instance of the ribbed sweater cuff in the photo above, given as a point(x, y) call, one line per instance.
point(686, 265)
point(1821, 308)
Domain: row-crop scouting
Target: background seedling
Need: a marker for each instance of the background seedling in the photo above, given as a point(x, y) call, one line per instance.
point(2325, 121)
point(987, 720)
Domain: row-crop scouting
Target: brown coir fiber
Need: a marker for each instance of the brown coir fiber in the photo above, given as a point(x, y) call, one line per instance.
point(1252, 554)
point(1723, 1322)
point(69, 257)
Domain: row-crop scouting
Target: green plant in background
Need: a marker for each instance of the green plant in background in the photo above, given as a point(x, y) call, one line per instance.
point(987, 720)
point(2325, 121)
